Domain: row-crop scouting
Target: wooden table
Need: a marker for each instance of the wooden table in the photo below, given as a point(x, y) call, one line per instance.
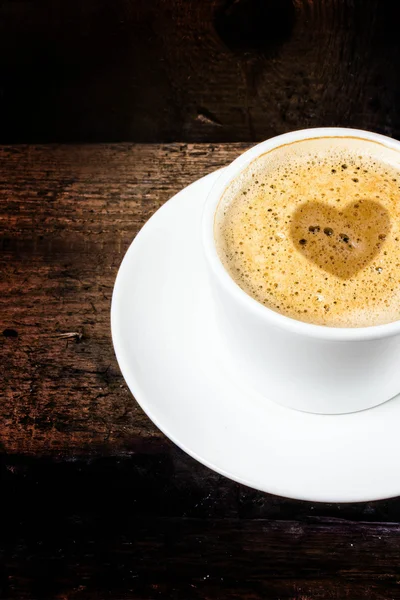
point(97, 503)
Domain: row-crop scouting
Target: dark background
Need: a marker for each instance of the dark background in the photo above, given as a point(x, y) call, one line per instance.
point(195, 70)
point(96, 502)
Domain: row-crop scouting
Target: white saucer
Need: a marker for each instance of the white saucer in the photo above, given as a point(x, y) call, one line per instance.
point(168, 347)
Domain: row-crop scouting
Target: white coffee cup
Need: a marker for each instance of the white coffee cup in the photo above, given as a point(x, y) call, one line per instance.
point(308, 367)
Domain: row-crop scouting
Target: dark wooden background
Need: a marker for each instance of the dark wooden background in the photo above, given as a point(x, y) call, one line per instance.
point(195, 70)
point(96, 502)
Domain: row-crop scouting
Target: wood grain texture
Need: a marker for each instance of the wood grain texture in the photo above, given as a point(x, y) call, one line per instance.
point(195, 70)
point(68, 214)
point(172, 529)
point(149, 558)
point(97, 503)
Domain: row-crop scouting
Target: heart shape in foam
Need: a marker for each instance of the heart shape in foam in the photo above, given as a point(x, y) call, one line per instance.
point(340, 241)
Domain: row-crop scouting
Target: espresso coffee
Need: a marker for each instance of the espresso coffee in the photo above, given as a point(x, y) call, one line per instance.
point(312, 231)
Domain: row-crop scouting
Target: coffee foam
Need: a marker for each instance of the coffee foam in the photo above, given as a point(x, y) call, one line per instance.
point(312, 231)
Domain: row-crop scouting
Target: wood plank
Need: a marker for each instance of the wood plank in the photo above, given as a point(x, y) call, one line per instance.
point(156, 478)
point(106, 556)
point(68, 214)
point(206, 70)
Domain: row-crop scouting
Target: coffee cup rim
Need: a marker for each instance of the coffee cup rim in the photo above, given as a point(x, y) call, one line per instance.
point(262, 312)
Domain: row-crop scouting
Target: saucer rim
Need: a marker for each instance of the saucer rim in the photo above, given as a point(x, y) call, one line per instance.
point(142, 399)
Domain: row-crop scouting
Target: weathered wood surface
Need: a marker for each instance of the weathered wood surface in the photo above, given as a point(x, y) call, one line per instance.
point(97, 503)
point(195, 70)
point(68, 214)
